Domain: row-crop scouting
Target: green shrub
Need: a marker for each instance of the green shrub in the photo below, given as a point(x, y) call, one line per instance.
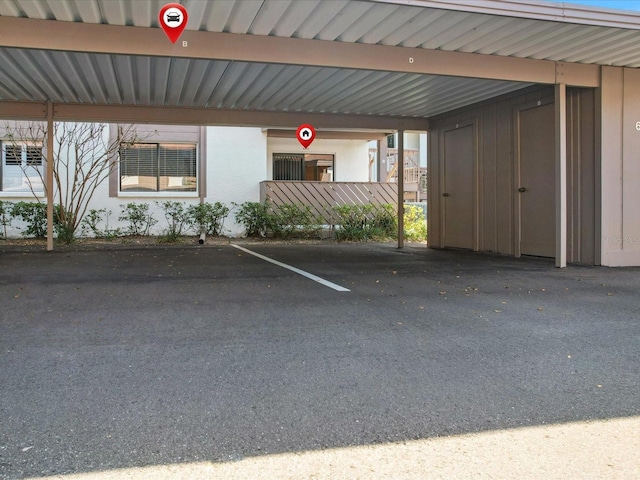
point(91, 223)
point(34, 214)
point(177, 218)
point(208, 218)
point(139, 218)
point(352, 221)
point(284, 221)
point(91, 220)
point(254, 217)
point(65, 232)
point(369, 222)
point(291, 220)
point(415, 225)
point(385, 222)
point(365, 222)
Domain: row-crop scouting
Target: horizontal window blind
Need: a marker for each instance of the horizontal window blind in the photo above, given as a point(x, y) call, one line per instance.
point(158, 167)
point(34, 156)
point(177, 160)
point(13, 155)
point(139, 159)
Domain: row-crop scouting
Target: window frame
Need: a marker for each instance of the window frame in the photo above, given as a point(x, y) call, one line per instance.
point(24, 164)
point(158, 143)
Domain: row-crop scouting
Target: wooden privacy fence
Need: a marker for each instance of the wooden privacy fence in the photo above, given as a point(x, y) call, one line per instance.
point(322, 197)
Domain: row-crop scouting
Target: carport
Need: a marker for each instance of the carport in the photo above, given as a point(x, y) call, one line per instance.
point(382, 65)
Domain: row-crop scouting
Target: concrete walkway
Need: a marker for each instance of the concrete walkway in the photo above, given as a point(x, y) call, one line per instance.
point(600, 450)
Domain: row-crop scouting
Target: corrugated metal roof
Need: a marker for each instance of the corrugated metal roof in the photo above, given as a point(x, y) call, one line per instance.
point(35, 75)
point(67, 77)
point(373, 22)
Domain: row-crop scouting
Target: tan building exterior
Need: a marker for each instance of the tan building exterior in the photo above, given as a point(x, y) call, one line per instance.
point(493, 176)
point(493, 173)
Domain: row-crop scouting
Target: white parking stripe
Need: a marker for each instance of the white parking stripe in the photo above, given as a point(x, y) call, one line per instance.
point(311, 276)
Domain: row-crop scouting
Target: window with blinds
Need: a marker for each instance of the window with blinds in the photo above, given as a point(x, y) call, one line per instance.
point(21, 169)
point(13, 155)
point(158, 167)
point(33, 156)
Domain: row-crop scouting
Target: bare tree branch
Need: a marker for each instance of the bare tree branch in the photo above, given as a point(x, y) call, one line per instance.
point(82, 161)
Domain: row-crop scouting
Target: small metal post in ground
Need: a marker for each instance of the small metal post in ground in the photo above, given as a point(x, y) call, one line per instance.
point(49, 178)
point(400, 177)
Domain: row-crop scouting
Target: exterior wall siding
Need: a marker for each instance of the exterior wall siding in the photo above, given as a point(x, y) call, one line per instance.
point(497, 208)
point(620, 156)
point(582, 205)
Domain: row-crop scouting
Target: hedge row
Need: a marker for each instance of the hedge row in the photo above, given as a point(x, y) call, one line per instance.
point(259, 219)
point(353, 222)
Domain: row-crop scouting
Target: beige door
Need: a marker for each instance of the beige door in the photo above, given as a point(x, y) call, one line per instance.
point(459, 191)
point(537, 189)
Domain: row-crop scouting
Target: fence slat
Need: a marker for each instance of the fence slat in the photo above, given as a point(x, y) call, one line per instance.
point(322, 197)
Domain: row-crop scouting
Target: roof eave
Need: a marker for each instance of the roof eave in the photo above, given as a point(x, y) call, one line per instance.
point(564, 12)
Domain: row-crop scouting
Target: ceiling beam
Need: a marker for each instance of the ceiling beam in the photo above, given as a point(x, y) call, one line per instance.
point(23, 110)
point(143, 41)
point(204, 116)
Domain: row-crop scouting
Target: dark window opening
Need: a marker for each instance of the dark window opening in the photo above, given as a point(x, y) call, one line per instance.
point(310, 167)
point(391, 141)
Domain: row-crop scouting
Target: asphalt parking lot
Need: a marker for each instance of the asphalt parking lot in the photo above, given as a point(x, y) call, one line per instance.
point(133, 357)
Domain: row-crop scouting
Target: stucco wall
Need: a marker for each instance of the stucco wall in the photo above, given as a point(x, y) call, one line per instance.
point(237, 163)
point(108, 197)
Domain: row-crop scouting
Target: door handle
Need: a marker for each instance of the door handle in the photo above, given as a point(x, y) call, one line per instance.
point(522, 189)
point(446, 195)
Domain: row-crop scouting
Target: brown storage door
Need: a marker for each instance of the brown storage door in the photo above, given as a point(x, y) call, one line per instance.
point(536, 135)
point(459, 192)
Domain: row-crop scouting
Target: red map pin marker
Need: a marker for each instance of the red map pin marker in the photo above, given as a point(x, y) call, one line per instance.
point(305, 135)
point(173, 18)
